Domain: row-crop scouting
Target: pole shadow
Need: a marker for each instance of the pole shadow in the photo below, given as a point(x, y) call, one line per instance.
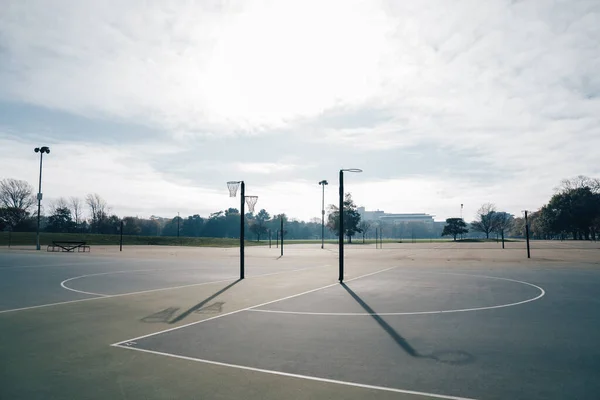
point(446, 357)
point(198, 306)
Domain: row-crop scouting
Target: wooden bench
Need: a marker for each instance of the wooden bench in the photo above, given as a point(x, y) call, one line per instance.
point(68, 246)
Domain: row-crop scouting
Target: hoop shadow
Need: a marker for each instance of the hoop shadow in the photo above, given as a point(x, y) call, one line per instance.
point(198, 306)
point(446, 357)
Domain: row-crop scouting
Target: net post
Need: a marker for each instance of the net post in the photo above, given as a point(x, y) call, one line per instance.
point(242, 226)
point(341, 226)
point(281, 230)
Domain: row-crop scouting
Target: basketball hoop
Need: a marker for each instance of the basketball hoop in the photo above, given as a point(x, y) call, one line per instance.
point(251, 202)
point(233, 188)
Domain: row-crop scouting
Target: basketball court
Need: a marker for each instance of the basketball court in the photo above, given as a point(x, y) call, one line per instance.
point(410, 321)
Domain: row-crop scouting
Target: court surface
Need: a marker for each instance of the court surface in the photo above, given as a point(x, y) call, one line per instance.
point(410, 321)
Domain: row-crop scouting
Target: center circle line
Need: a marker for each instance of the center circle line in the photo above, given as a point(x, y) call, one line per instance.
point(541, 294)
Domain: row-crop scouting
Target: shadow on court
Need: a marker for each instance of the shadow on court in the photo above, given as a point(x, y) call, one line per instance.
point(198, 306)
point(446, 357)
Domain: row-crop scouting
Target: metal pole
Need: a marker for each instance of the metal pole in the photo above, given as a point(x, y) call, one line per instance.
point(341, 226)
point(39, 196)
point(527, 235)
point(502, 233)
point(121, 243)
point(281, 231)
point(269, 238)
point(323, 217)
point(242, 218)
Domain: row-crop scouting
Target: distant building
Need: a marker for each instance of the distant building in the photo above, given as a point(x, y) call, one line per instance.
point(395, 218)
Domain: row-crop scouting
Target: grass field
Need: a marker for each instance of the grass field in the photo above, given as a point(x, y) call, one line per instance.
point(28, 238)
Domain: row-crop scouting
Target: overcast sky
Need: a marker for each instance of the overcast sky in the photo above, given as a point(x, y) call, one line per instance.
point(154, 105)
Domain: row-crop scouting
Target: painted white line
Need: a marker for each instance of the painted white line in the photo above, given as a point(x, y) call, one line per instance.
point(64, 286)
point(297, 376)
point(245, 309)
point(150, 291)
point(165, 270)
point(330, 314)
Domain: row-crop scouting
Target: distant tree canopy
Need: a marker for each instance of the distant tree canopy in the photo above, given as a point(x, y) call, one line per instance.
point(60, 221)
point(351, 218)
point(16, 199)
point(572, 212)
point(455, 227)
point(258, 225)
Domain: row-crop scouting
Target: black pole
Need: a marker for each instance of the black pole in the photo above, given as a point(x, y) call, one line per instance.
point(269, 238)
point(39, 196)
point(341, 226)
point(242, 218)
point(121, 242)
point(277, 238)
point(281, 232)
point(323, 216)
point(527, 235)
point(502, 233)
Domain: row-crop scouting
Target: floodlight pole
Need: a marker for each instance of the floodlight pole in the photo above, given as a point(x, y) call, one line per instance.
point(323, 183)
point(527, 235)
point(461, 217)
point(41, 150)
point(242, 226)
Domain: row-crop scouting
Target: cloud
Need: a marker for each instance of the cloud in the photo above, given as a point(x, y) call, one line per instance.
point(473, 101)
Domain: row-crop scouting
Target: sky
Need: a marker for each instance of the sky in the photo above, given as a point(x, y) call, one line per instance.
point(155, 105)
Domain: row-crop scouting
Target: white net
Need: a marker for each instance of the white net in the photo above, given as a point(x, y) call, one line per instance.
point(251, 202)
point(233, 188)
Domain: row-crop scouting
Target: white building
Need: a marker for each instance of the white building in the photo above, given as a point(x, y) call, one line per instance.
point(395, 218)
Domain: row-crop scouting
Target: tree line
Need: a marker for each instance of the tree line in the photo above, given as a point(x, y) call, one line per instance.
point(572, 212)
point(92, 214)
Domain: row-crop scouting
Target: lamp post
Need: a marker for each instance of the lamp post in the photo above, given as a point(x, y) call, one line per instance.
point(323, 183)
point(341, 222)
point(41, 150)
point(461, 217)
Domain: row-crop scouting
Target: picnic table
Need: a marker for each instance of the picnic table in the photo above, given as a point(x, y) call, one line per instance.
point(68, 246)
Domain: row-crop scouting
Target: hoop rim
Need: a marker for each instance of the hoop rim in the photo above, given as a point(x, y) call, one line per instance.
point(251, 202)
point(352, 170)
point(233, 186)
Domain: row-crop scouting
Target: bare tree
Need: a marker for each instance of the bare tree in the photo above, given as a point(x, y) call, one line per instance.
point(485, 219)
point(16, 194)
point(503, 222)
point(76, 209)
point(98, 209)
point(579, 182)
point(61, 202)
